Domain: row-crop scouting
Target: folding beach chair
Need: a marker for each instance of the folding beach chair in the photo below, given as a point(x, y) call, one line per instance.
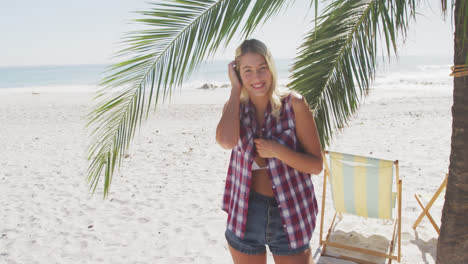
point(362, 186)
point(425, 211)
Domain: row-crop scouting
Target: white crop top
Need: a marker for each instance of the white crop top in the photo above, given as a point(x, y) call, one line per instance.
point(256, 167)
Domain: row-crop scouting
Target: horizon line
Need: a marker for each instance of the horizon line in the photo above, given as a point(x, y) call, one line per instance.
point(206, 61)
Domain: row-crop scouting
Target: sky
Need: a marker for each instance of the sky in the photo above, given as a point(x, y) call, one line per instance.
point(57, 32)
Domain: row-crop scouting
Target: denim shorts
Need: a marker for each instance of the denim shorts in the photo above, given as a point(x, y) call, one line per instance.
point(264, 227)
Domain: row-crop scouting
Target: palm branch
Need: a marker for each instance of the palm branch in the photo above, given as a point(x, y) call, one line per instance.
point(156, 61)
point(337, 60)
point(335, 65)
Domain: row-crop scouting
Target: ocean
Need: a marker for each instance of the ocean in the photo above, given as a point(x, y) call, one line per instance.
point(403, 76)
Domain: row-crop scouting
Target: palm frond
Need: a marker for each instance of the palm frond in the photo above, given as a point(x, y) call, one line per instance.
point(337, 60)
point(181, 34)
point(443, 5)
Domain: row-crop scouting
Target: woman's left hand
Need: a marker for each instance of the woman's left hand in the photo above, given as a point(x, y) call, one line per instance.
point(267, 148)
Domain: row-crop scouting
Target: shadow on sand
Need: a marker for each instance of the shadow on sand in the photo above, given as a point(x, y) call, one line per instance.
point(374, 242)
point(426, 247)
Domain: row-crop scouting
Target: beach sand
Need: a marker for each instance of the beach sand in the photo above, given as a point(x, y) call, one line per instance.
point(164, 203)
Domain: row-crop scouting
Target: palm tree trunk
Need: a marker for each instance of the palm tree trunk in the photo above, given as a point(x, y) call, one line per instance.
point(452, 246)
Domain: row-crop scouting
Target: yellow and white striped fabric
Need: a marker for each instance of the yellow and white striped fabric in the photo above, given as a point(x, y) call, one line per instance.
point(361, 185)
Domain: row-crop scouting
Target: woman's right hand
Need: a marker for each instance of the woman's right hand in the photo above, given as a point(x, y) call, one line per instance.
point(236, 86)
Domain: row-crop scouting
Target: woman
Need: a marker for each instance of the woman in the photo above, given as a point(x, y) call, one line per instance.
point(269, 196)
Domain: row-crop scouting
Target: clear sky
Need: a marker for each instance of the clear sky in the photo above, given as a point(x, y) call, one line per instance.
point(51, 32)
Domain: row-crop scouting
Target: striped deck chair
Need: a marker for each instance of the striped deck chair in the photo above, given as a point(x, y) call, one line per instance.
point(362, 186)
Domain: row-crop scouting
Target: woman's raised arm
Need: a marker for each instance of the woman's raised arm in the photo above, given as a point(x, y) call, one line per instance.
point(228, 130)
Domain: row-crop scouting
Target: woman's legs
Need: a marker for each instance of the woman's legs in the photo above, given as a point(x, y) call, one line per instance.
point(304, 257)
point(241, 258)
point(264, 226)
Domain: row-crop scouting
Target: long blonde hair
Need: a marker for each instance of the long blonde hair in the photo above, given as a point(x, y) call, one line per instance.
point(275, 94)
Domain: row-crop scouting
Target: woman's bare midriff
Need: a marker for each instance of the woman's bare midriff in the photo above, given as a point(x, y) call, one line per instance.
point(261, 182)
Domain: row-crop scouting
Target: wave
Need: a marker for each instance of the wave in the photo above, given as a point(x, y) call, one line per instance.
point(418, 75)
point(434, 67)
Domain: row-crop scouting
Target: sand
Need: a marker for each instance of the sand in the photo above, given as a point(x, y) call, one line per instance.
point(164, 203)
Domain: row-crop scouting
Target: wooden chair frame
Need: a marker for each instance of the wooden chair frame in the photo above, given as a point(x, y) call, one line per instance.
point(425, 211)
point(396, 228)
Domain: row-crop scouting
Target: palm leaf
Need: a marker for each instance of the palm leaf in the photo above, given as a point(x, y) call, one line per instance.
point(337, 60)
point(181, 34)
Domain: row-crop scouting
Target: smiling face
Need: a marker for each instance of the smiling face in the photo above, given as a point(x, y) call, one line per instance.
point(255, 74)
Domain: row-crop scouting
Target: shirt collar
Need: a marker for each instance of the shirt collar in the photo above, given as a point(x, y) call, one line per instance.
point(250, 107)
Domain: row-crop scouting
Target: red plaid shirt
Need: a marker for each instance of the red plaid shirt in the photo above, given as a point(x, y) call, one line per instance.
point(293, 189)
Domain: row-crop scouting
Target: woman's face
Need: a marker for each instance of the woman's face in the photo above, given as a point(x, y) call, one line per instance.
point(255, 74)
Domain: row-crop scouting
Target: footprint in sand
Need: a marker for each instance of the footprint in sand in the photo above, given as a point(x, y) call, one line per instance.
point(40, 186)
point(194, 206)
point(207, 236)
point(65, 211)
point(118, 201)
point(406, 236)
point(83, 244)
point(143, 220)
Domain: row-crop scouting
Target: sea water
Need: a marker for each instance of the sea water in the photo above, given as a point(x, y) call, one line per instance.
point(399, 77)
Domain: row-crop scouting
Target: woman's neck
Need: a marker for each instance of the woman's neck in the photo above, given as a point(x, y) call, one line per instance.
point(260, 103)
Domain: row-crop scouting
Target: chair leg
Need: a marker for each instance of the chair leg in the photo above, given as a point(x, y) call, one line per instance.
point(392, 243)
point(429, 205)
point(426, 213)
point(399, 219)
point(324, 249)
point(323, 198)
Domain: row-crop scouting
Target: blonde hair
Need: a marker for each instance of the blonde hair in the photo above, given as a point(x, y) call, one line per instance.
point(275, 94)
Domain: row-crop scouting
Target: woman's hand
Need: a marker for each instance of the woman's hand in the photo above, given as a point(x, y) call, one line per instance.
point(267, 148)
point(236, 86)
